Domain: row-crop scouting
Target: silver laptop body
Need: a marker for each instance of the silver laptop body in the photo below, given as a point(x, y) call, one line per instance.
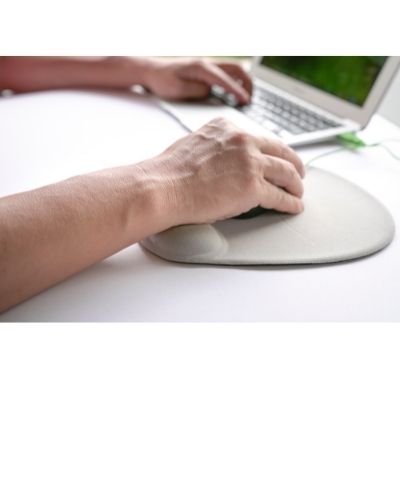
point(301, 99)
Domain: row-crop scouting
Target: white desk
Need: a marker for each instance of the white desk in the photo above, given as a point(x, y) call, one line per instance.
point(48, 136)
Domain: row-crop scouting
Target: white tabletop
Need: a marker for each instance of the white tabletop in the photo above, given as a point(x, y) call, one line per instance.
point(49, 136)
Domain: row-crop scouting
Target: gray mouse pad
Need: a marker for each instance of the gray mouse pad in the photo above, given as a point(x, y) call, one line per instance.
point(340, 222)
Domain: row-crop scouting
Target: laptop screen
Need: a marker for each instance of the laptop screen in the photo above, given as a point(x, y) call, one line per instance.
point(347, 77)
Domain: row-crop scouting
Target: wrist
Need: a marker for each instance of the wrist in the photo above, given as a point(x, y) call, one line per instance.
point(128, 71)
point(141, 198)
point(162, 196)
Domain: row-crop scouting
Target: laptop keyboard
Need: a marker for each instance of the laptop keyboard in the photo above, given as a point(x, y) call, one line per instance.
point(279, 115)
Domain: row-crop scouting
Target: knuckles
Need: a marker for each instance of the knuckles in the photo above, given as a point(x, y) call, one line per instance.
point(236, 136)
point(220, 122)
point(239, 138)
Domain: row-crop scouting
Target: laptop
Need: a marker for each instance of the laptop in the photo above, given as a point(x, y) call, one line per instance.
point(301, 99)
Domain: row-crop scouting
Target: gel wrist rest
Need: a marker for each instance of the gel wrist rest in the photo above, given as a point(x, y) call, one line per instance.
point(340, 222)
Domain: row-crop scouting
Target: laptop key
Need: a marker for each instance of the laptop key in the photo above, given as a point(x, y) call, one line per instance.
point(294, 130)
point(273, 127)
point(276, 113)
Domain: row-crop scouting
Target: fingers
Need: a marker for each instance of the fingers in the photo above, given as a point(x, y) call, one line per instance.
point(271, 169)
point(276, 198)
point(270, 146)
point(239, 74)
point(283, 174)
point(211, 74)
point(275, 147)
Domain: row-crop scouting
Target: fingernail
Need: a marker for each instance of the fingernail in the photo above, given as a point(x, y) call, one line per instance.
point(246, 97)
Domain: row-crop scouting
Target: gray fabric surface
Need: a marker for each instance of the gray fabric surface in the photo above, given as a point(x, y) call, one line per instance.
point(340, 222)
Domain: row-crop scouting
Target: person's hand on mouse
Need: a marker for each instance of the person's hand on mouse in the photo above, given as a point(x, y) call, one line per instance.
point(189, 78)
point(221, 171)
point(215, 173)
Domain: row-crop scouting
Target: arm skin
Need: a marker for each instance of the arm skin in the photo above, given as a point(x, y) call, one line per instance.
point(217, 172)
point(183, 78)
point(29, 74)
point(53, 232)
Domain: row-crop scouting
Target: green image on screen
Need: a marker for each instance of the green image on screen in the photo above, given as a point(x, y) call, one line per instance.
point(347, 77)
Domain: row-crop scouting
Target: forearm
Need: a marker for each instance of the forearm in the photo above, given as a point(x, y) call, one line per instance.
point(53, 232)
point(27, 74)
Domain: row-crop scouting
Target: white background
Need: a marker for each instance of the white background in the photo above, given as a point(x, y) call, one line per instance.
point(185, 411)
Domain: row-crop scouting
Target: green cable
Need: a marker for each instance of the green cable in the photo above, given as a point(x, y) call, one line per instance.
point(337, 150)
point(382, 145)
point(352, 142)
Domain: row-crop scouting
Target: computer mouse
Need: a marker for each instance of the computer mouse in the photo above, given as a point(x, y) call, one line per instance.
point(254, 212)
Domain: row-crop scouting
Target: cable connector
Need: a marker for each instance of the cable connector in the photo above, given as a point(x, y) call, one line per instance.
point(351, 141)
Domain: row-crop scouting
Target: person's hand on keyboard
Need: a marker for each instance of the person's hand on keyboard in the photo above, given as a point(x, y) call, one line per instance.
point(194, 78)
point(221, 171)
point(179, 78)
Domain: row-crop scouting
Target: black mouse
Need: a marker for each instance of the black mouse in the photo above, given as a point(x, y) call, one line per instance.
point(254, 212)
